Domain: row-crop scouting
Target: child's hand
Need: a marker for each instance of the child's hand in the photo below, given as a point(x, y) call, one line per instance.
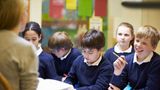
point(112, 87)
point(65, 76)
point(119, 65)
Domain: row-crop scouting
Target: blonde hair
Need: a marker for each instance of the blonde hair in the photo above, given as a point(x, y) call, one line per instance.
point(151, 32)
point(10, 13)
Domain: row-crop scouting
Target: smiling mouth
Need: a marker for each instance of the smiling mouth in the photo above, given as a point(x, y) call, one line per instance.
point(139, 50)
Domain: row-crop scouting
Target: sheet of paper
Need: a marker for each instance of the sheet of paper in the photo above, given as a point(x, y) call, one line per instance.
point(50, 84)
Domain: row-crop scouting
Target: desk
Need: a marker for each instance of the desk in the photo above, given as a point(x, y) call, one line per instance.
point(50, 84)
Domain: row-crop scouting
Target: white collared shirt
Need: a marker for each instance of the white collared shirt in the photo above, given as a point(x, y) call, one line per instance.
point(95, 63)
point(62, 58)
point(39, 50)
point(117, 50)
point(148, 59)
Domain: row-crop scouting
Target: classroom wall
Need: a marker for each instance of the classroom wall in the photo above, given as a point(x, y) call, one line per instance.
point(118, 13)
point(36, 11)
point(151, 17)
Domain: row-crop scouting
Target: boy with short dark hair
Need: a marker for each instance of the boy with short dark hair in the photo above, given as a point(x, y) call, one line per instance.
point(91, 71)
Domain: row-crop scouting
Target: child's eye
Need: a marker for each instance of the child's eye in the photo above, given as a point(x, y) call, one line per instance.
point(34, 39)
point(144, 43)
point(27, 39)
point(119, 34)
point(89, 52)
point(83, 51)
point(137, 40)
point(126, 34)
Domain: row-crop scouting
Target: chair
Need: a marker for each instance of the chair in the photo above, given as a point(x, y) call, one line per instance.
point(4, 82)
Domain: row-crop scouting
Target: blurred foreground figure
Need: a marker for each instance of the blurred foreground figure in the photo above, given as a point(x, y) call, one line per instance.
point(19, 64)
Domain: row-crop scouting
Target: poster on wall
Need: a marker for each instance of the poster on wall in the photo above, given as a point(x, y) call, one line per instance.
point(96, 22)
point(69, 15)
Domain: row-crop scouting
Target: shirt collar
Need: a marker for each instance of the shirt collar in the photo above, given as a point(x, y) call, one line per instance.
point(65, 56)
point(148, 59)
point(95, 63)
point(117, 50)
point(39, 50)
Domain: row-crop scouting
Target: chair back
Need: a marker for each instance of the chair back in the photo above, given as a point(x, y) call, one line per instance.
point(4, 82)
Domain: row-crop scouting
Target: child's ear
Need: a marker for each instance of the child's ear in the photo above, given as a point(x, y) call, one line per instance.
point(154, 47)
point(40, 37)
point(102, 49)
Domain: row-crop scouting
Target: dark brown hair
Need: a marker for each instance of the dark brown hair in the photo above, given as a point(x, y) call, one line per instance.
point(33, 26)
point(93, 39)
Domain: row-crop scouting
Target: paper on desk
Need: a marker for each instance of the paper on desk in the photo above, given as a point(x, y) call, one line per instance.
point(50, 84)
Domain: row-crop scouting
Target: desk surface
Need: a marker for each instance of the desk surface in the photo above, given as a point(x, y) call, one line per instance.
point(49, 84)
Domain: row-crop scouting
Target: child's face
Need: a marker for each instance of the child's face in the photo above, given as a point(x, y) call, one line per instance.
point(91, 55)
point(59, 53)
point(32, 37)
point(124, 35)
point(143, 47)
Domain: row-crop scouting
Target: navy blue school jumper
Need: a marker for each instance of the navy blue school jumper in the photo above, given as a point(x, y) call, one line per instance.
point(111, 57)
point(145, 76)
point(46, 67)
point(90, 77)
point(63, 66)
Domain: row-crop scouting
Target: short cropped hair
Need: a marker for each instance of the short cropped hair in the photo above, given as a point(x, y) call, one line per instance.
point(151, 32)
point(60, 40)
point(10, 13)
point(93, 39)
